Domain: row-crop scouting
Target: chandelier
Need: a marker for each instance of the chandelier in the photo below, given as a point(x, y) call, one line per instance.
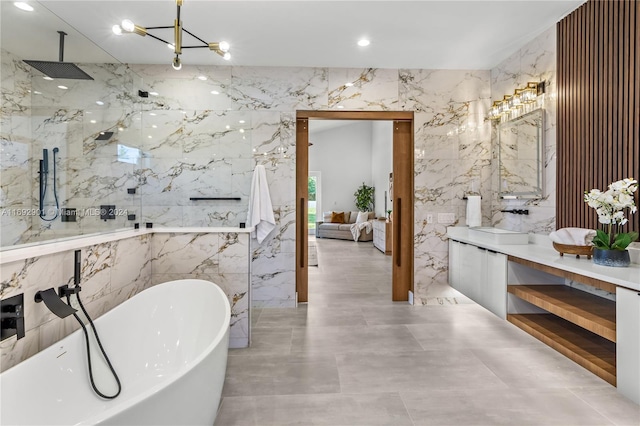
point(127, 26)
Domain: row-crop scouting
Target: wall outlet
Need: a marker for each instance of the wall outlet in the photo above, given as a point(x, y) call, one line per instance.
point(429, 218)
point(446, 217)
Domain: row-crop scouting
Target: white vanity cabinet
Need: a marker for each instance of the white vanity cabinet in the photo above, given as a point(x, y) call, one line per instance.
point(628, 343)
point(480, 274)
point(563, 301)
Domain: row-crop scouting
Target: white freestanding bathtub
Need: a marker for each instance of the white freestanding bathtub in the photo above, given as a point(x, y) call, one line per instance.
point(168, 345)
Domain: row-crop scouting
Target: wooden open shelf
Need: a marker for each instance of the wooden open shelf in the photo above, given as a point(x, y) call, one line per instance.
point(590, 312)
point(592, 352)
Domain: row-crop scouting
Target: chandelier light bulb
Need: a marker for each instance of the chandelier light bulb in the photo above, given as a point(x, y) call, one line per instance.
point(171, 47)
point(363, 42)
point(227, 56)
point(176, 64)
point(117, 29)
point(128, 26)
point(224, 46)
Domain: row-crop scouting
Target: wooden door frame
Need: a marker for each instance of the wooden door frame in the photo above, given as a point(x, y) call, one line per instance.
point(402, 253)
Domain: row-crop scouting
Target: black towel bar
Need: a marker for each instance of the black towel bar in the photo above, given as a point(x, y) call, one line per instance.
point(214, 198)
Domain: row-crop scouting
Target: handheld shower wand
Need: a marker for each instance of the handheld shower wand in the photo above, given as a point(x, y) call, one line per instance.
point(44, 177)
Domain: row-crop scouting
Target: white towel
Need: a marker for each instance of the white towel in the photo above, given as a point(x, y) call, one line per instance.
point(356, 229)
point(260, 215)
point(573, 236)
point(474, 211)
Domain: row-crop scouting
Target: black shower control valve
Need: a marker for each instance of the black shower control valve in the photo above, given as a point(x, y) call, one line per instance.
point(12, 317)
point(131, 190)
point(149, 224)
point(136, 226)
point(143, 93)
point(131, 217)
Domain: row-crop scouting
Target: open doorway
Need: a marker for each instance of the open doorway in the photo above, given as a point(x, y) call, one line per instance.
point(402, 204)
point(344, 156)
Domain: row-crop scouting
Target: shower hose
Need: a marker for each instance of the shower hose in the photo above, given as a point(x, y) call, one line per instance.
point(86, 338)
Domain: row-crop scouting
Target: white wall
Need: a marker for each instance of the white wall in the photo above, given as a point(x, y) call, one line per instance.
point(343, 156)
point(381, 162)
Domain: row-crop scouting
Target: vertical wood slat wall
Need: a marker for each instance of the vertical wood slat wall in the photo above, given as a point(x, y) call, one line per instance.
point(598, 118)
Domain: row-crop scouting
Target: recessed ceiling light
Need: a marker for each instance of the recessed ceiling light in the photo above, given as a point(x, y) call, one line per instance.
point(99, 102)
point(363, 42)
point(154, 93)
point(46, 77)
point(349, 84)
point(22, 5)
point(215, 92)
point(62, 87)
point(202, 77)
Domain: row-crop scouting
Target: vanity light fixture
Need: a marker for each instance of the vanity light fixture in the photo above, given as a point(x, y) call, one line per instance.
point(127, 26)
point(521, 96)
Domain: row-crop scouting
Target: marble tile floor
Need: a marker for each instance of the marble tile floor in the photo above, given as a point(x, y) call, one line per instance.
point(351, 357)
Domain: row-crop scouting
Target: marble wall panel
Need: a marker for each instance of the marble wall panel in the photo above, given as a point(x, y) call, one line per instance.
point(278, 89)
point(363, 89)
point(535, 61)
point(186, 90)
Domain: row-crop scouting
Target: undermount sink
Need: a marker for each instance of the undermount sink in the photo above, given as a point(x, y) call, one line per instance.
point(498, 236)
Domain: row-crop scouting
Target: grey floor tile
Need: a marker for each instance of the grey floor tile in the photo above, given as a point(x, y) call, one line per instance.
point(324, 409)
point(536, 367)
point(608, 402)
point(500, 407)
point(267, 341)
point(280, 375)
point(414, 371)
point(343, 358)
point(364, 339)
point(438, 336)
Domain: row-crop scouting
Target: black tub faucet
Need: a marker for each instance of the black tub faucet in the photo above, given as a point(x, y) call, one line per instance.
point(51, 298)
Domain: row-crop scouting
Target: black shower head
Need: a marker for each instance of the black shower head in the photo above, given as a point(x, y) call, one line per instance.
point(60, 69)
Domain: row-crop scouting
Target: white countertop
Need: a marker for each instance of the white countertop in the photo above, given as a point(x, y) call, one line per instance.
point(543, 252)
point(25, 251)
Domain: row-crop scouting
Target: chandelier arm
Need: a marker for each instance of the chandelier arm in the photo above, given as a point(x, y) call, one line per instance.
point(158, 38)
point(159, 28)
point(196, 37)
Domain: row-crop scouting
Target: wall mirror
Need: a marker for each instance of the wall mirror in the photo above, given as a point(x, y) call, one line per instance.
point(520, 153)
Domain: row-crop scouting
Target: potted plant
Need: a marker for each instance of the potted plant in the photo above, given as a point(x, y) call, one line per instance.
point(364, 198)
point(610, 245)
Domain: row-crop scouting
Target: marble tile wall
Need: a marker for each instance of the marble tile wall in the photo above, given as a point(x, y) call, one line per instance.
point(15, 149)
point(191, 151)
point(452, 150)
point(535, 61)
point(111, 273)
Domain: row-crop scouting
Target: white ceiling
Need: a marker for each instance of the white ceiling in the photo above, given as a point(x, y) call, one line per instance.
point(424, 34)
